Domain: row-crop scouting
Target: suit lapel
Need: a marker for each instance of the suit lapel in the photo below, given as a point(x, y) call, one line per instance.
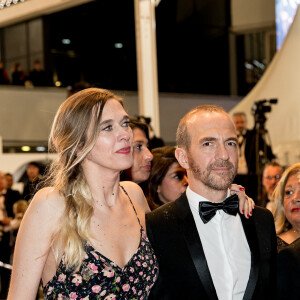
point(193, 242)
point(251, 236)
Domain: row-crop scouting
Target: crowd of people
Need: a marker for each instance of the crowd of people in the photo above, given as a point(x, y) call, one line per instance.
point(13, 204)
point(119, 218)
point(36, 77)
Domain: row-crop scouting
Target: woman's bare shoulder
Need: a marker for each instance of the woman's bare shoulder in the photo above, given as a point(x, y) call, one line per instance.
point(48, 201)
point(135, 193)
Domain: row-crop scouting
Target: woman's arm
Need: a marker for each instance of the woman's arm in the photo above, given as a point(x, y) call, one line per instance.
point(33, 243)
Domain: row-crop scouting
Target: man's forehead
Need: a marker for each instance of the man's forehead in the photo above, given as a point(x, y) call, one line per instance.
point(204, 120)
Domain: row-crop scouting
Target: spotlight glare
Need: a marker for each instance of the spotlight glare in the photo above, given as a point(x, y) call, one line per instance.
point(25, 148)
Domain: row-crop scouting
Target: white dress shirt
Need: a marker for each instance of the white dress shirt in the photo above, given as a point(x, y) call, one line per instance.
point(226, 250)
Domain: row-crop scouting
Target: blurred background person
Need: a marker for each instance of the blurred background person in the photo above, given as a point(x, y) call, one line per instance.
point(271, 176)
point(9, 180)
point(155, 141)
point(32, 181)
point(167, 179)
point(254, 153)
point(19, 209)
point(3, 74)
point(240, 122)
point(7, 200)
point(287, 207)
point(245, 174)
point(37, 75)
point(18, 75)
point(142, 156)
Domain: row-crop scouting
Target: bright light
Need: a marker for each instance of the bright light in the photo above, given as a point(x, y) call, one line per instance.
point(118, 45)
point(66, 41)
point(58, 83)
point(40, 148)
point(248, 66)
point(25, 148)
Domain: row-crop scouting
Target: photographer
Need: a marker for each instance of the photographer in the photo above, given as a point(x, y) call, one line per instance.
point(254, 149)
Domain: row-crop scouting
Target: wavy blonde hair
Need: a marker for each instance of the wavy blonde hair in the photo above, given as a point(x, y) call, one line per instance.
point(281, 222)
point(79, 115)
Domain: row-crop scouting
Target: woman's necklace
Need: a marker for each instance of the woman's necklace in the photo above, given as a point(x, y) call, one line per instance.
point(296, 231)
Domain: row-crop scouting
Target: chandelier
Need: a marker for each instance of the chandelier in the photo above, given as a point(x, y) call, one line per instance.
point(8, 3)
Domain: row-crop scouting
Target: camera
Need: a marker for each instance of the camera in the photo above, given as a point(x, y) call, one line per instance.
point(261, 107)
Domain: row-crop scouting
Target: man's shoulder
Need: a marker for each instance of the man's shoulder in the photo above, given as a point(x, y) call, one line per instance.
point(261, 214)
point(162, 211)
point(262, 211)
point(168, 211)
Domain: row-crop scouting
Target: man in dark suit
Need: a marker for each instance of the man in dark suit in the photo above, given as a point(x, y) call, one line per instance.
point(204, 248)
point(250, 143)
point(288, 272)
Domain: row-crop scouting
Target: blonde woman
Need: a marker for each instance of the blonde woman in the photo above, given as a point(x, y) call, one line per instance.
point(84, 235)
point(287, 207)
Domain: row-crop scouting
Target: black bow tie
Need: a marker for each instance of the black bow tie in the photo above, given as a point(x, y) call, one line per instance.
point(207, 209)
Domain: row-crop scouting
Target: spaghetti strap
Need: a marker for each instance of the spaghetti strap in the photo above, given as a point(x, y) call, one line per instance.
point(131, 204)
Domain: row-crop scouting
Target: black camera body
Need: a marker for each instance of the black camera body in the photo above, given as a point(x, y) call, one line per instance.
point(261, 107)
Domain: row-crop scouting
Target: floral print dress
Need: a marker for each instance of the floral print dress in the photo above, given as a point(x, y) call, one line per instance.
point(100, 278)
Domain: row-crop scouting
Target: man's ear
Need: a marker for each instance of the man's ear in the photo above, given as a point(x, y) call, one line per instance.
point(182, 158)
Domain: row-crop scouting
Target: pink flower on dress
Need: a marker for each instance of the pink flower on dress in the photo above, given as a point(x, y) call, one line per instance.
point(93, 267)
point(139, 293)
point(60, 297)
point(103, 293)
point(50, 290)
point(131, 269)
point(108, 272)
point(126, 287)
point(141, 273)
point(145, 264)
point(131, 278)
point(151, 261)
point(96, 288)
point(118, 279)
point(73, 296)
point(138, 263)
point(61, 277)
point(134, 290)
point(148, 278)
point(77, 279)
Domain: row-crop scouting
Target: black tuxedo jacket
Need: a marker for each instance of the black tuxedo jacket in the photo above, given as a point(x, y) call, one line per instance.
point(183, 269)
point(288, 272)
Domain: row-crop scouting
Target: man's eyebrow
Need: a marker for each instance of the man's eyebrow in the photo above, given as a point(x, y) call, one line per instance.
point(207, 139)
point(232, 139)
